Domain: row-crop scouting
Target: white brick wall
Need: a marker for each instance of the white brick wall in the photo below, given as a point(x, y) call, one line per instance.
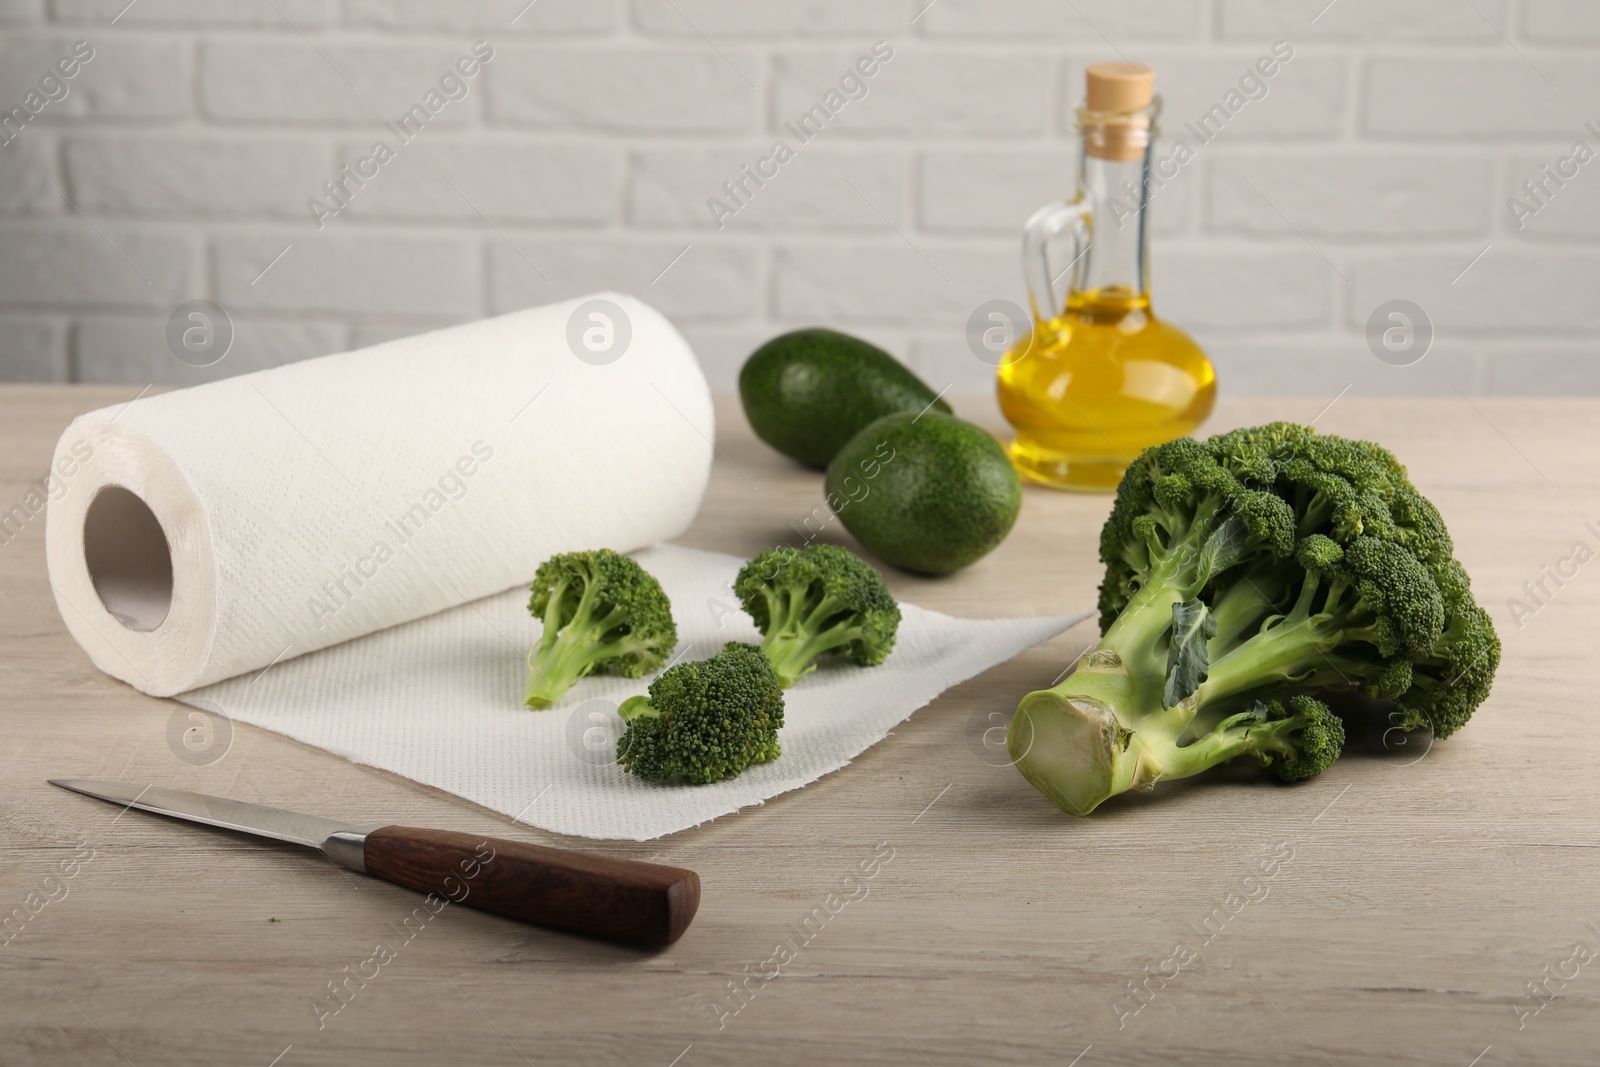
point(922, 92)
point(1376, 21)
point(670, 186)
point(26, 170)
point(351, 271)
point(66, 265)
point(486, 16)
point(1378, 166)
point(814, 18)
point(35, 349)
point(310, 14)
point(710, 282)
point(192, 174)
point(625, 89)
point(131, 78)
point(1349, 196)
point(1012, 20)
point(21, 10)
point(113, 348)
point(1558, 21)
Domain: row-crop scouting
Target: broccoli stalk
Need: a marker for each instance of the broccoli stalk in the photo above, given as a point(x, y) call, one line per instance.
point(802, 625)
point(1245, 577)
point(816, 600)
point(704, 721)
point(601, 612)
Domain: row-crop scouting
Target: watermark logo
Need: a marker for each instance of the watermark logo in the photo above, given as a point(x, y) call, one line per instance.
point(1399, 333)
point(993, 330)
point(1553, 577)
point(987, 732)
point(54, 86)
point(53, 486)
point(199, 332)
point(198, 737)
point(1253, 86)
point(1546, 185)
point(1400, 734)
point(1553, 980)
point(53, 889)
point(593, 729)
point(340, 991)
point(797, 937)
point(738, 191)
point(395, 534)
point(454, 85)
point(599, 332)
point(1142, 989)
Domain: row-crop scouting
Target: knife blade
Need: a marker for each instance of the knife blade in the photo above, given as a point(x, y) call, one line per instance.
point(603, 896)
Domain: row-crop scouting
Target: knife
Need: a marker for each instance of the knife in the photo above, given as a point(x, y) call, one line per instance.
point(619, 899)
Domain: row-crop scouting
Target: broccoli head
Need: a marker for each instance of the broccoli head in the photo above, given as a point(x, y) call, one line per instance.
point(704, 721)
point(1247, 576)
point(817, 600)
point(602, 613)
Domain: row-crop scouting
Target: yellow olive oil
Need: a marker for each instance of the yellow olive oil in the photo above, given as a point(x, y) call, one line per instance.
point(1090, 389)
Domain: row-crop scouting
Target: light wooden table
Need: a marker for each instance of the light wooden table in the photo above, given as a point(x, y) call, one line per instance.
point(1415, 899)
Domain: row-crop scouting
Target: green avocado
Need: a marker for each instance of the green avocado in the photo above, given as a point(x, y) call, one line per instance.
point(928, 493)
point(808, 392)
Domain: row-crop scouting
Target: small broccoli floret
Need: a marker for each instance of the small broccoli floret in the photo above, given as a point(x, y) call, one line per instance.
point(817, 600)
point(1247, 576)
point(1293, 743)
point(1299, 742)
point(704, 721)
point(602, 613)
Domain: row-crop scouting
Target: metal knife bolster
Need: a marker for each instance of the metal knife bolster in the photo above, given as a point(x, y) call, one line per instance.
point(348, 848)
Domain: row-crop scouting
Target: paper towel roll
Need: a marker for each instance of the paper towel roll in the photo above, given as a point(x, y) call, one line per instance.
point(219, 529)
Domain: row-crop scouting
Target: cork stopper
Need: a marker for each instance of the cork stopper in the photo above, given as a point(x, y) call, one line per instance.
point(1114, 118)
point(1120, 87)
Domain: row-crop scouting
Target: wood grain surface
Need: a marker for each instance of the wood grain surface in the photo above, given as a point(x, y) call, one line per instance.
point(922, 906)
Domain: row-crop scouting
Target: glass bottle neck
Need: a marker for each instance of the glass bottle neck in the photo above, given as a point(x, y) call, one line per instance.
point(1113, 270)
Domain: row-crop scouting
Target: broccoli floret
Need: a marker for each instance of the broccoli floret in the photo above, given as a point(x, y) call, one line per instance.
point(816, 600)
point(1453, 677)
point(1299, 742)
point(704, 721)
point(602, 613)
point(1247, 576)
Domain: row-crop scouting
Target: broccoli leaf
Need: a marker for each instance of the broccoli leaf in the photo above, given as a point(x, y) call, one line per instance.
point(1225, 547)
point(1187, 659)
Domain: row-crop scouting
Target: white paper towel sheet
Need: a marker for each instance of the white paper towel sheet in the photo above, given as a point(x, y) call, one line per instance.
point(439, 700)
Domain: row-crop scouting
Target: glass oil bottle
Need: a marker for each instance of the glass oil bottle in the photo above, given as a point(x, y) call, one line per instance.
point(1100, 378)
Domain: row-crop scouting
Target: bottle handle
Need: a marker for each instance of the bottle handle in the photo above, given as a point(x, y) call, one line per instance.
point(1039, 269)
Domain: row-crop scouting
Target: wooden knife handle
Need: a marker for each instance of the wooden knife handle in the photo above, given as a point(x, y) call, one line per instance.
point(620, 899)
